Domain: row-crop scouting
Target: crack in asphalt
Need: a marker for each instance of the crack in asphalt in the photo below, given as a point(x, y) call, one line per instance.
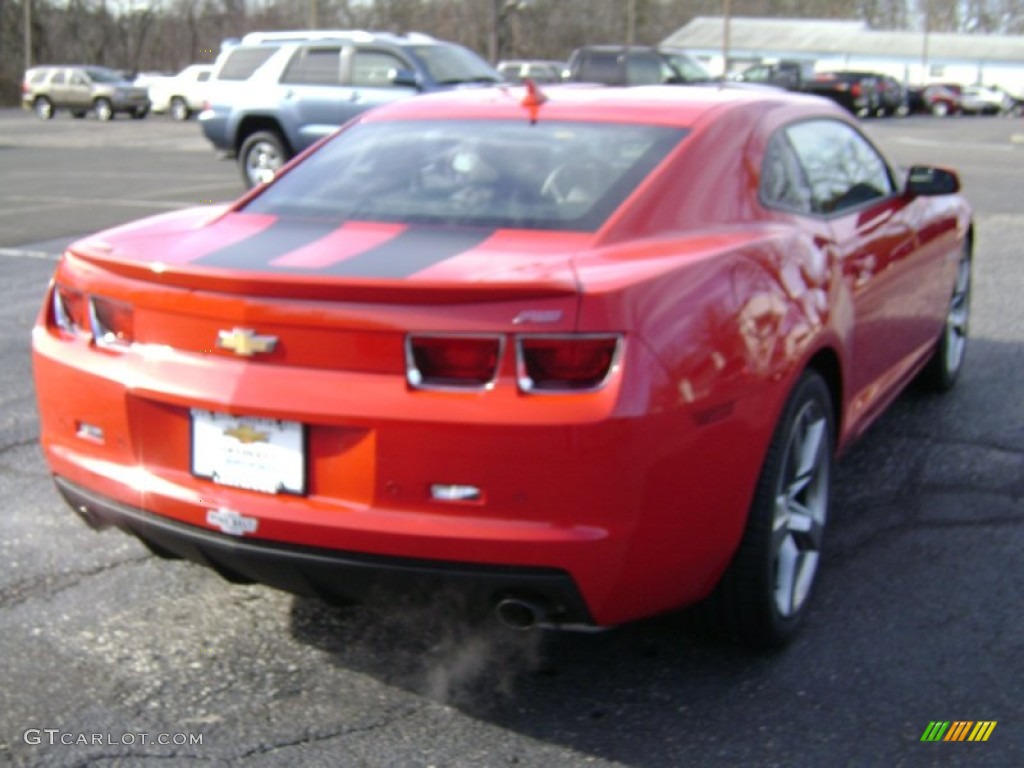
point(913, 525)
point(47, 586)
point(116, 757)
point(322, 737)
point(961, 441)
point(8, 447)
point(911, 497)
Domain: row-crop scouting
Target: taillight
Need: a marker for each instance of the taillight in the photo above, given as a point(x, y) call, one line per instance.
point(856, 89)
point(69, 310)
point(566, 363)
point(452, 361)
point(112, 322)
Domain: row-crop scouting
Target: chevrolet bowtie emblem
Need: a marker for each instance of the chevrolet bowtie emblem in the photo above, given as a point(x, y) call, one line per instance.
point(246, 435)
point(245, 341)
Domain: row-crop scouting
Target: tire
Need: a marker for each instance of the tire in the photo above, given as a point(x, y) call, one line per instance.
point(763, 596)
point(943, 369)
point(179, 109)
point(262, 154)
point(43, 108)
point(940, 109)
point(104, 109)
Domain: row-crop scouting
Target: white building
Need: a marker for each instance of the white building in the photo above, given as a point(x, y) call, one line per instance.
point(915, 58)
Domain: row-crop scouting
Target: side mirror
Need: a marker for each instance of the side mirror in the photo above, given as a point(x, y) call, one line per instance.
point(926, 181)
point(406, 78)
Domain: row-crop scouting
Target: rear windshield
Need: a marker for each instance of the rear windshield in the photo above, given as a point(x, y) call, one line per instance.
point(99, 75)
point(453, 64)
point(505, 174)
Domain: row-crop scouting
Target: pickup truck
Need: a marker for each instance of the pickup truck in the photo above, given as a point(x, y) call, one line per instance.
point(860, 93)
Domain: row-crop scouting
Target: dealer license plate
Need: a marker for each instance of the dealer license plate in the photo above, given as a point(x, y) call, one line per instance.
point(259, 454)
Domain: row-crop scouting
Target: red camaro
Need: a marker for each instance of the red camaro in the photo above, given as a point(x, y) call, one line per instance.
point(589, 354)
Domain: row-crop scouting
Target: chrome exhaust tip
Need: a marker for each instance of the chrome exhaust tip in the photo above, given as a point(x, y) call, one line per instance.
point(519, 613)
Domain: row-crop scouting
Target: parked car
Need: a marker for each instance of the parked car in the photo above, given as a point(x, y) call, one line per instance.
point(538, 70)
point(81, 89)
point(302, 91)
point(942, 100)
point(633, 65)
point(1013, 106)
point(790, 75)
point(857, 92)
point(860, 93)
point(183, 94)
point(585, 354)
point(893, 97)
point(984, 100)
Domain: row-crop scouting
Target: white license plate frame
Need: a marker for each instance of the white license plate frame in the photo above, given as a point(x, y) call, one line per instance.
point(249, 452)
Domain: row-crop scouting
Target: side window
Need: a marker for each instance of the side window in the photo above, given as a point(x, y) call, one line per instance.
point(375, 69)
point(242, 62)
point(757, 74)
point(542, 73)
point(203, 77)
point(645, 69)
point(58, 77)
point(314, 66)
point(843, 169)
point(77, 78)
point(601, 67)
point(783, 183)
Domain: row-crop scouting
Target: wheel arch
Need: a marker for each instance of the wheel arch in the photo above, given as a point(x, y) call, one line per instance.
point(251, 124)
point(826, 363)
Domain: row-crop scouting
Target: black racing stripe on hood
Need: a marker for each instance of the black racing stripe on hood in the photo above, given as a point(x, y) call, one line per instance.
point(409, 252)
point(257, 251)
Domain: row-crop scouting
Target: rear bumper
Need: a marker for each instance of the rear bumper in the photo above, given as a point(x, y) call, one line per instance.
point(328, 574)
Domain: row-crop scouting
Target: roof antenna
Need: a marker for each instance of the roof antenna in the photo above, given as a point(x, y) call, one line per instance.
point(533, 99)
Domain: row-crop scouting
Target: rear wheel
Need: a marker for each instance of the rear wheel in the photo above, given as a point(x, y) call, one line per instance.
point(104, 109)
point(179, 109)
point(947, 361)
point(940, 109)
point(764, 594)
point(43, 108)
point(262, 155)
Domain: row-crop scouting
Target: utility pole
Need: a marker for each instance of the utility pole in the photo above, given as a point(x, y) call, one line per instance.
point(726, 35)
point(924, 46)
point(313, 15)
point(631, 22)
point(492, 42)
point(27, 6)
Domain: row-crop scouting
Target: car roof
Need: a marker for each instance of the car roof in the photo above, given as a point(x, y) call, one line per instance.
point(675, 105)
point(349, 35)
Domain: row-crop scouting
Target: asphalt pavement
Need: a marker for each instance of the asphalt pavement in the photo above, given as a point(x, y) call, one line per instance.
point(114, 657)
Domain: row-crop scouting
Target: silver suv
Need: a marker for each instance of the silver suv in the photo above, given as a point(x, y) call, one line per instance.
point(81, 89)
point(269, 98)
